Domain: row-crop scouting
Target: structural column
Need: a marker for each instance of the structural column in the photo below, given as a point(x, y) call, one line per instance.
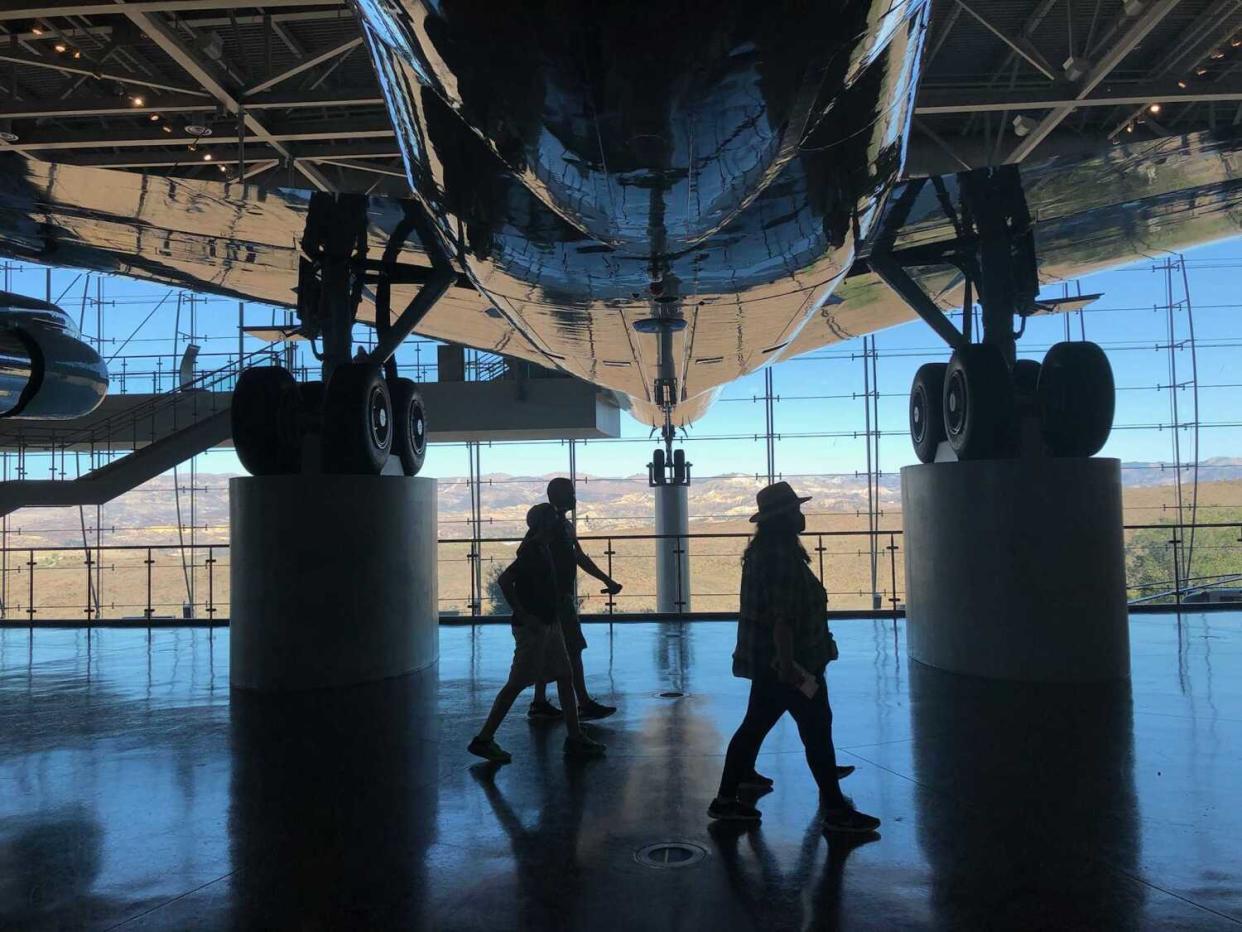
point(333, 580)
point(1015, 569)
point(672, 554)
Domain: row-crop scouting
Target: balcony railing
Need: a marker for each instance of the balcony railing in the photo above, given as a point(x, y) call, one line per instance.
point(170, 584)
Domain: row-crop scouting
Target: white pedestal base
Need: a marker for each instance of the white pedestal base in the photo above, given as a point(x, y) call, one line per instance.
point(333, 580)
point(672, 516)
point(1015, 569)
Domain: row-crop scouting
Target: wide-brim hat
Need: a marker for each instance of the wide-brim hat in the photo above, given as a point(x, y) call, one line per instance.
point(776, 499)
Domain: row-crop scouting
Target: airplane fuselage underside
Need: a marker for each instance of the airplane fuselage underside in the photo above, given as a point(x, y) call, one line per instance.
point(610, 174)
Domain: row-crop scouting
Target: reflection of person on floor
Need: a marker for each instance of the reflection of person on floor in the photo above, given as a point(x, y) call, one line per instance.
point(546, 854)
point(529, 585)
point(766, 900)
point(569, 557)
point(783, 648)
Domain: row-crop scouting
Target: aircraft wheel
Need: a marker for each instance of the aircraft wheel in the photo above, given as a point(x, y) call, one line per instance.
point(410, 423)
point(357, 421)
point(927, 410)
point(1077, 399)
point(264, 421)
point(978, 402)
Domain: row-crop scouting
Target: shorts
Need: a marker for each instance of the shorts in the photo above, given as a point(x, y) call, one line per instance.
point(571, 627)
point(539, 654)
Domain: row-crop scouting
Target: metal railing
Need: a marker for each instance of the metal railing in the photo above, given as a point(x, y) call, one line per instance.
point(170, 584)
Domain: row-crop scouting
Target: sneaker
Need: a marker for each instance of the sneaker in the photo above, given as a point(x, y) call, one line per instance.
point(733, 810)
point(592, 710)
point(488, 749)
point(544, 712)
point(582, 746)
point(849, 820)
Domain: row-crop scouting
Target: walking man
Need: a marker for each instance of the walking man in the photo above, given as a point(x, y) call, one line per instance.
point(568, 557)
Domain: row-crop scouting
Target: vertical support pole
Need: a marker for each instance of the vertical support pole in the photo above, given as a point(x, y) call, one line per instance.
point(672, 527)
point(769, 422)
point(241, 334)
point(150, 610)
point(612, 599)
point(30, 609)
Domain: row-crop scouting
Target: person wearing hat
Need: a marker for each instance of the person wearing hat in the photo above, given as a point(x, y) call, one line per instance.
point(529, 586)
point(783, 648)
point(569, 557)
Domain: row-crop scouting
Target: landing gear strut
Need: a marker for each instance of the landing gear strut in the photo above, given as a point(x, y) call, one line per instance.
point(361, 412)
point(986, 403)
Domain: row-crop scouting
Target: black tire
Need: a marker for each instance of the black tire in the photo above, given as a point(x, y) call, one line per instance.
point(978, 403)
point(679, 467)
point(1077, 399)
point(410, 424)
point(657, 467)
point(927, 410)
point(264, 421)
point(357, 421)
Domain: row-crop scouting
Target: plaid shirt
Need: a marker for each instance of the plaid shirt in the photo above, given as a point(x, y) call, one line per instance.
point(778, 585)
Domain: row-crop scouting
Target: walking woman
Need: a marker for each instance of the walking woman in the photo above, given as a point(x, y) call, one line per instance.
point(783, 647)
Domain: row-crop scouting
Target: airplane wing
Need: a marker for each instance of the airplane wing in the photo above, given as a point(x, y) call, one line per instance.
point(240, 241)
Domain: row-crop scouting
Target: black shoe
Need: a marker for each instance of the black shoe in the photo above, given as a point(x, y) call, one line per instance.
point(591, 710)
point(489, 750)
point(544, 712)
point(849, 820)
point(733, 810)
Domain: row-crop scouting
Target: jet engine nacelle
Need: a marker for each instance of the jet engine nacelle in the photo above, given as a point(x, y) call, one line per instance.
point(47, 371)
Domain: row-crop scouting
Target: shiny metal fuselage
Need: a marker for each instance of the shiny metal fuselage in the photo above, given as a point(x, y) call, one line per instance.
point(47, 371)
point(594, 166)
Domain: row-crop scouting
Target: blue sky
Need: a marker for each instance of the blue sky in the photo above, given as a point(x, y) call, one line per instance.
point(820, 413)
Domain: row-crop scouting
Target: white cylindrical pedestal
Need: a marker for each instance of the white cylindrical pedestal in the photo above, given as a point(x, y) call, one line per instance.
point(333, 580)
point(1015, 569)
point(672, 516)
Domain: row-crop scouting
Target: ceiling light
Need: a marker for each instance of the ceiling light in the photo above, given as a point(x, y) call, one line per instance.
point(154, 118)
point(166, 128)
point(1182, 85)
point(1201, 71)
point(1154, 108)
point(138, 101)
point(206, 156)
point(197, 130)
point(36, 29)
point(1216, 55)
point(1235, 42)
point(1075, 68)
point(77, 53)
point(1129, 127)
point(60, 47)
point(1022, 125)
point(6, 132)
point(223, 169)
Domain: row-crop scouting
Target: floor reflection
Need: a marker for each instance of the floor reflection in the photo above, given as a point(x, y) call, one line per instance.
point(334, 805)
point(1031, 782)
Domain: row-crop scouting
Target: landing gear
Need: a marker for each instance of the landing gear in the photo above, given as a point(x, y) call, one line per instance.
point(992, 404)
point(361, 412)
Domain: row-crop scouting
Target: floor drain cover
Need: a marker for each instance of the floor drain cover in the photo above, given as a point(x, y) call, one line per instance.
point(671, 695)
point(667, 854)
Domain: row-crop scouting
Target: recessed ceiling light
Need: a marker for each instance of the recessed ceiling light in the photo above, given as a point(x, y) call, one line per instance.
point(198, 130)
point(7, 134)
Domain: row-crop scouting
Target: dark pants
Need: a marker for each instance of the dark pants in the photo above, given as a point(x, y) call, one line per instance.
point(769, 700)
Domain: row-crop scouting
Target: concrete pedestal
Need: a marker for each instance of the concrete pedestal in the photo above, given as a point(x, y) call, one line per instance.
point(333, 580)
point(1015, 569)
point(672, 516)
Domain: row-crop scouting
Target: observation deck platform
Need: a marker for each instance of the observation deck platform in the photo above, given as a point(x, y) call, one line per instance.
point(137, 795)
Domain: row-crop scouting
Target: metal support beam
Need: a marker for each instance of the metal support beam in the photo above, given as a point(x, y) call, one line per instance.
point(172, 45)
point(144, 6)
point(227, 155)
point(66, 66)
point(1117, 52)
point(184, 103)
point(317, 132)
point(303, 66)
point(940, 101)
point(1020, 45)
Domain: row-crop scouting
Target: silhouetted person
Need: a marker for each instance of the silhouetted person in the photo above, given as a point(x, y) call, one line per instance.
point(529, 585)
point(568, 556)
point(783, 648)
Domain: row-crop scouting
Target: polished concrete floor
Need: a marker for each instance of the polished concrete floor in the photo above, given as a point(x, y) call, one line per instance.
point(133, 794)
